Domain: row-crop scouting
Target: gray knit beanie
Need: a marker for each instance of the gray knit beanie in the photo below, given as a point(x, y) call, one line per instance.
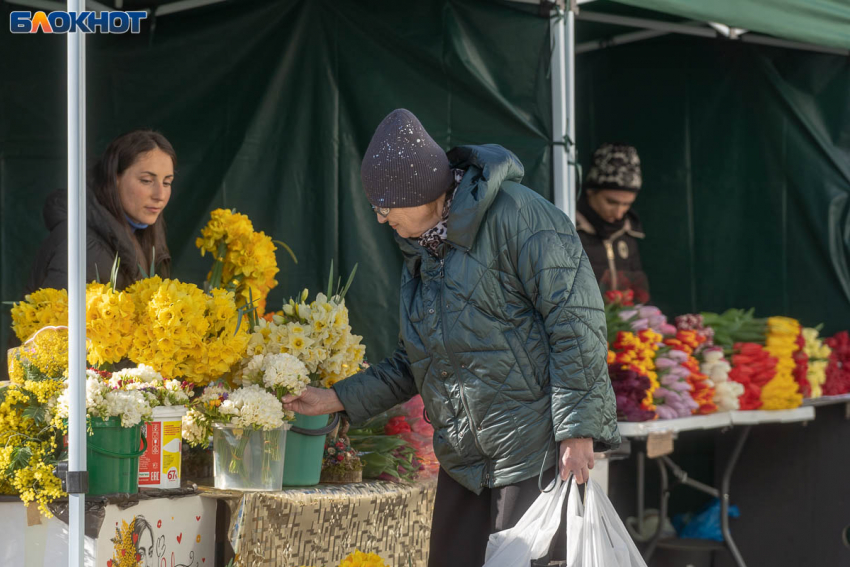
point(404, 166)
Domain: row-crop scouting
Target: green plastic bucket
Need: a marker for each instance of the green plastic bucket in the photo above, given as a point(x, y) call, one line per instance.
point(305, 447)
point(113, 464)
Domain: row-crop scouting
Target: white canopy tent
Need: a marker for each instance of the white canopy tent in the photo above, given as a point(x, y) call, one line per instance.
point(562, 29)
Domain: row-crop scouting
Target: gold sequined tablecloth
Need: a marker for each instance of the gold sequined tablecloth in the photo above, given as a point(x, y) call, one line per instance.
point(320, 525)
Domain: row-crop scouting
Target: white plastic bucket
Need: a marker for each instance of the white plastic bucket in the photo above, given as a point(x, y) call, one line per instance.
point(159, 466)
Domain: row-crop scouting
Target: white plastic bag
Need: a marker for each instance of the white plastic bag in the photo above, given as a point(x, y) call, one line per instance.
point(596, 537)
point(532, 535)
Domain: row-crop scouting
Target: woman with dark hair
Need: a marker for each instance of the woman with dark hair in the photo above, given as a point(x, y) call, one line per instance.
point(129, 187)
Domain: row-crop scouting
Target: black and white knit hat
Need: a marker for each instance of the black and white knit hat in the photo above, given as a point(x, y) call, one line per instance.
point(404, 166)
point(615, 166)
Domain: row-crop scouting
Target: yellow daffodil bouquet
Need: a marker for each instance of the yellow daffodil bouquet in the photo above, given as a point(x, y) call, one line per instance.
point(183, 332)
point(174, 327)
point(318, 333)
point(243, 259)
point(109, 319)
point(43, 308)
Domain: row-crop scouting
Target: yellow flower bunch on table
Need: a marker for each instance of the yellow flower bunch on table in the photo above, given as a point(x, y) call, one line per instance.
point(109, 323)
point(244, 259)
point(818, 354)
point(183, 332)
point(46, 351)
point(782, 391)
point(43, 308)
point(27, 440)
point(360, 559)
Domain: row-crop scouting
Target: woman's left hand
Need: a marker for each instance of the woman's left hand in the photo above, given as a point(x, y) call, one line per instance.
point(576, 457)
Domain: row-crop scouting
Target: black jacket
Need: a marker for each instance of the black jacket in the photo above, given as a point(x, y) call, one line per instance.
point(616, 260)
point(105, 237)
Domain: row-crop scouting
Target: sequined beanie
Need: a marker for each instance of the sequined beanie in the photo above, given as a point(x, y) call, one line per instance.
point(404, 166)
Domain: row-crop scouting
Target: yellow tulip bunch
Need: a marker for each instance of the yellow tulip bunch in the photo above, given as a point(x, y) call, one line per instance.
point(317, 333)
point(248, 257)
point(782, 391)
point(818, 354)
point(637, 351)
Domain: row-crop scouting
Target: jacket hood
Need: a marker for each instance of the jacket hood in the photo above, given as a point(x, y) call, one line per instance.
point(101, 222)
point(55, 209)
point(487, 167)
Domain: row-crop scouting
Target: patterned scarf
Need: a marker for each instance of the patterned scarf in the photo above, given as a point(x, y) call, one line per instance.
point(432, 238)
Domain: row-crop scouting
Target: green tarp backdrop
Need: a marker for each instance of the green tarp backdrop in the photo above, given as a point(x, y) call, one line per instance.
point(271, 104)
point(746, 162)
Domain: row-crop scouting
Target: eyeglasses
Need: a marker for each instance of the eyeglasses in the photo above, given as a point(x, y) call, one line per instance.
point(383, 211)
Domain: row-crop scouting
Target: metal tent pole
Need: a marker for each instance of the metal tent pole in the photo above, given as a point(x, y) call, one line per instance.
point(559, 111)
point(76, 291)
point(570, 41)
point(687, 28)
point(563, 108)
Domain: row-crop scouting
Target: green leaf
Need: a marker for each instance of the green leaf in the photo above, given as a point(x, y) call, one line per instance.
point(19, 458)
point(116, 264)
point(153, 261)
point(239, 314)
point(252, 315)
point(38, 414)
point(215, 276)
point(286, 247)
point(348, 283)
point(330, 280)
point(96, 274)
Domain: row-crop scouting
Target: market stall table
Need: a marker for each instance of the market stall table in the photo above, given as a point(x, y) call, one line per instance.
point(320, 525)
point(665, 430)
point(164, 527)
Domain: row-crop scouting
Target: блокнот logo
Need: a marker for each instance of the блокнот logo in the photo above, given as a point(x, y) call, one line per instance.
point(85, 22)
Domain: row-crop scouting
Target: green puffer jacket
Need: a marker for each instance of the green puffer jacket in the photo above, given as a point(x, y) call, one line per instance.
point(503, 335)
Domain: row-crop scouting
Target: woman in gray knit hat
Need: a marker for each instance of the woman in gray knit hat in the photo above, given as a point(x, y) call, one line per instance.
point(502, 332)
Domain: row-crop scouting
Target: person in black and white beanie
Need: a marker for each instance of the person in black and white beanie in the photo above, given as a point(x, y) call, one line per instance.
point(608, 227)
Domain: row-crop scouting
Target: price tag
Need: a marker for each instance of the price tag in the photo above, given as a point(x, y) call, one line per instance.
point(33, 515)
point(659, 444)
